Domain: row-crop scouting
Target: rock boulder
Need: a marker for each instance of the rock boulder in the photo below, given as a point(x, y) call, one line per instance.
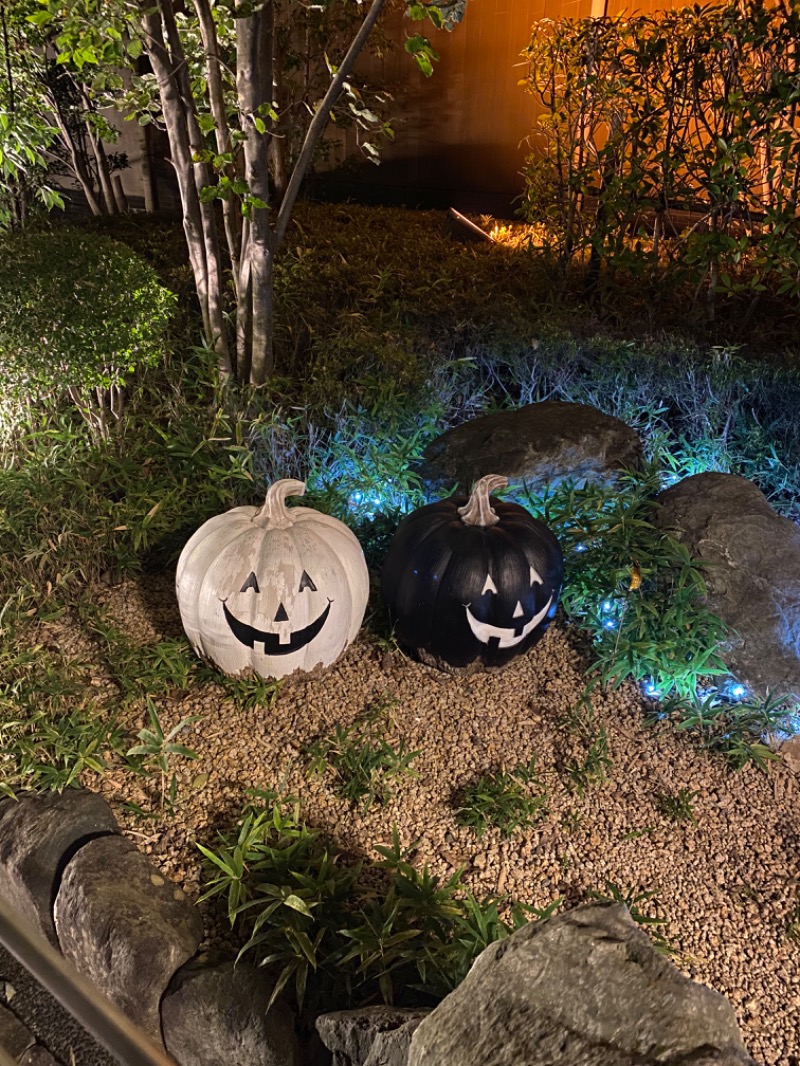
point(38, 836)
point(125, 926)
point(217, 1016)
point(371, 1036)
point(753, 573)
point(586, 988)
point(539, 445)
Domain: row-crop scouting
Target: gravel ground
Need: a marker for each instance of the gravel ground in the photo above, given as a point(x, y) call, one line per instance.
point(727, 887)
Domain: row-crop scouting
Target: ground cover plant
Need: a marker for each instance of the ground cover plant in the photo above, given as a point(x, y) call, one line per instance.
point(333, 932)
point(509, 799)
point(377, 360)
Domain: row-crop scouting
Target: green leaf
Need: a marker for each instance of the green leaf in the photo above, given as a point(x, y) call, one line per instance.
point(297, 904)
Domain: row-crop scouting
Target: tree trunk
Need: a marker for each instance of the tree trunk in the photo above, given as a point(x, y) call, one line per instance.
point(169, 67)
point(79, 167)
point(103, 172)
point(231, 216)
point(254, 43)
point(146, 166)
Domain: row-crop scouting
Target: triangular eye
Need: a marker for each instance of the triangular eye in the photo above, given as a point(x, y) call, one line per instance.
point(489, 586)
point(306, 583)
point(535, 578)
point(251, 583)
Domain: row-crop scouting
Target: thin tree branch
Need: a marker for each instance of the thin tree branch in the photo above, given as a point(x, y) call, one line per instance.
point(320, 121)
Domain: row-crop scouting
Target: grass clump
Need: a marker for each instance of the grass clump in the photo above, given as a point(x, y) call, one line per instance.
point(736, 729)
point(343, 934)
point(633, 586)
point(593, 769)
point(363, 761)
point(509, 800)
point(678, 806)
point(138, 671)
point(156, 750)
point(51, 727)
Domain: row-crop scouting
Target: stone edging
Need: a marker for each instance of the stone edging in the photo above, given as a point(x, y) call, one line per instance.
point(67, 869)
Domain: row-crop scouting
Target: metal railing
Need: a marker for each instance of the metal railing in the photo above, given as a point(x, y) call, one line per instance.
point(93, 1011)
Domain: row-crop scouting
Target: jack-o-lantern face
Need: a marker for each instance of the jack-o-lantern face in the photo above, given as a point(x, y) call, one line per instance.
point(472, 580)
point(282, 639)
point(523, 619)
point(272, 591)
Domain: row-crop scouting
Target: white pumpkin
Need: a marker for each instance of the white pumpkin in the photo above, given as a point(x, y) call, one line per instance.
point(272, 590)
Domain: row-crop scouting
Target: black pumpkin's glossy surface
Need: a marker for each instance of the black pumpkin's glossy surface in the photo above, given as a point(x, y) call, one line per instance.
point(440, 575)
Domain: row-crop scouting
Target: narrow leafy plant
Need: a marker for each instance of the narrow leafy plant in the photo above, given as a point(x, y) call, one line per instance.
point(508, 800)
point(678, 806)
point(736, 729)
point(363, 761)
point(344, 934)
point(156, 751)
point(594, 767)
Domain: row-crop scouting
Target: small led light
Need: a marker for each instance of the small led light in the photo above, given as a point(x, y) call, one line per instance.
point(610, 623)
point(607, 605)
point(580, 547)
point(650, 688)
point(738, 691)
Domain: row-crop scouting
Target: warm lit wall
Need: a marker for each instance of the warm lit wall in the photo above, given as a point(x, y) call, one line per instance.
point(460, 133)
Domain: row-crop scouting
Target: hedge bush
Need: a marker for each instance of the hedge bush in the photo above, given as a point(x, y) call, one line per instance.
point(79, 313)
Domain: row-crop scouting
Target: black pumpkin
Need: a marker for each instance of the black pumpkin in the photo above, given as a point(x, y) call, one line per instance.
point(469, 579)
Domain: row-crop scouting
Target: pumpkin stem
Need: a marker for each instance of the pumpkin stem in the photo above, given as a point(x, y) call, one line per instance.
point(275, 513)
point(477, 511)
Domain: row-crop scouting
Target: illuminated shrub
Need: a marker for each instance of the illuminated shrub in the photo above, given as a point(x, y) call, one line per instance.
point(79, 313)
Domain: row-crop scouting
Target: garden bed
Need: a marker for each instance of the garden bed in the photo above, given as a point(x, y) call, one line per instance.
point(719, 850)
point(99, 686)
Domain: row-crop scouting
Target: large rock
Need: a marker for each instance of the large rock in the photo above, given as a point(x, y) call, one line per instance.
point(753, 573)
point(125, 927)
point(217, 1016)
point(39, 834)
point(371, 1036)
point(540, 445)
point(584, 989)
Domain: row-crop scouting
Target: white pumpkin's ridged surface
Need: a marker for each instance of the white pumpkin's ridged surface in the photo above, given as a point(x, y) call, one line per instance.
point(217, 560)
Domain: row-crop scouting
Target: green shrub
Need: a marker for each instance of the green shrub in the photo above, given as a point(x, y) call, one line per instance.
point(340, 934)
point(633, 587)
point(79, 313)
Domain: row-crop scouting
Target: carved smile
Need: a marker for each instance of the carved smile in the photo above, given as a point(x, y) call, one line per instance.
point(506, 638)
point(272, 643)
